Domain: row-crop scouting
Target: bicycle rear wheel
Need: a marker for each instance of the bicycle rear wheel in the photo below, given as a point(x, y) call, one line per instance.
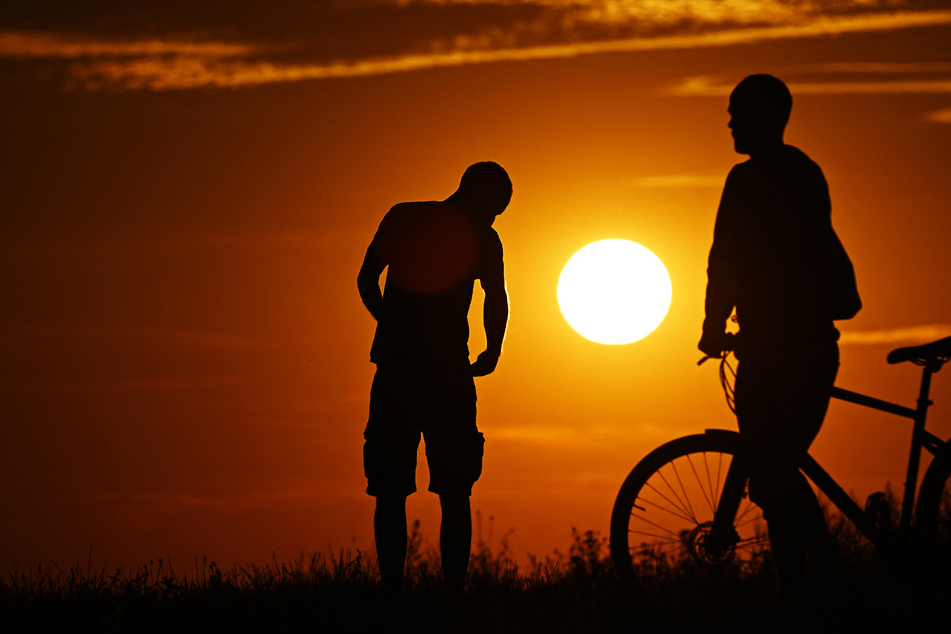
point(664, 512)
point(933, 513)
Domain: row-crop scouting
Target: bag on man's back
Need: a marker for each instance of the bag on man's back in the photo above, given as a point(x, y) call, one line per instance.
point(844, 300)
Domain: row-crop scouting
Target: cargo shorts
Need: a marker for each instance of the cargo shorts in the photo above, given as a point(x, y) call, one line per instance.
point(437, 404)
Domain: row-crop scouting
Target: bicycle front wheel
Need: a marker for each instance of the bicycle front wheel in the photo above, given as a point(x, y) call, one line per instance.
point(664, 512)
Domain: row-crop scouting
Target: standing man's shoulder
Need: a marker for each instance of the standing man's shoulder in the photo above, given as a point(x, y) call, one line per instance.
point(799, 161)
point(403, 218)
point(392, 216)
point(807, 178)
point(744, 174)
point(792, 153)
point(402, 210)
point(742, 177)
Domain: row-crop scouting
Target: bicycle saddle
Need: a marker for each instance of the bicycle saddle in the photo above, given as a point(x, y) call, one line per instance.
point(934, 353)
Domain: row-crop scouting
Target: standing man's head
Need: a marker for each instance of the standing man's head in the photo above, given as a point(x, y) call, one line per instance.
point(484, 191)
point(759, 110)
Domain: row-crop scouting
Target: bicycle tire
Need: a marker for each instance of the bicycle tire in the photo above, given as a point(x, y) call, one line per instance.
point(933, 511)
point(668, 502)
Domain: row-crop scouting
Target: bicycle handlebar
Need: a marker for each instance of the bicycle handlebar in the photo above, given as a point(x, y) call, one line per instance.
point(728, 346)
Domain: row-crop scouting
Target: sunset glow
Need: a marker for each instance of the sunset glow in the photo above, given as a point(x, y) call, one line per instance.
point(188, 194)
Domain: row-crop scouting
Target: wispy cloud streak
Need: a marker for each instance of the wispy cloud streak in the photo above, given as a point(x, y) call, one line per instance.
point(853, 78)
point(911, 335)
point(42, 45)
point(939, 116)
point(169, 65)
point(712, 87)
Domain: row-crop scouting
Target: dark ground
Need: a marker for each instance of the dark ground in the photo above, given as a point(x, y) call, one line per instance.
point(578, 592)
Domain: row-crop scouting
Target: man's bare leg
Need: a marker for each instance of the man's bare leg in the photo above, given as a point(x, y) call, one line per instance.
point(389, 527)
point(455, 539)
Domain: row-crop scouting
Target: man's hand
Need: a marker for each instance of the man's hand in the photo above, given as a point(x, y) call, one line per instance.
point(714, 344)
point(485, 363)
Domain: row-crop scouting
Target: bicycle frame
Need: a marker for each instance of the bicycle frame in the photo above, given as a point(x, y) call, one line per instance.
point(737, 476)
point(920, 437)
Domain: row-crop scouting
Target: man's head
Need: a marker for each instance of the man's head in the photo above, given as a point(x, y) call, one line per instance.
point(484, 191)
point(759, 111)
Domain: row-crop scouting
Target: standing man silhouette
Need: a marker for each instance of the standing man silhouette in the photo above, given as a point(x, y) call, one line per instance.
point(434, 252)
point(776, 259)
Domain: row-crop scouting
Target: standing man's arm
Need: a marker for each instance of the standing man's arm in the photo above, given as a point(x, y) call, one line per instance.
point(368, 283)
point(720, 299)
point(495, 315)
point(376, 259)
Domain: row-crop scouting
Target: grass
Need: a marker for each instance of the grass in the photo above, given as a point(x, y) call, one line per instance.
point(573, 592)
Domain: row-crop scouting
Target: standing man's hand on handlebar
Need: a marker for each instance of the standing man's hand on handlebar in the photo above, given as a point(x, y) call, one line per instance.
point(714, 344)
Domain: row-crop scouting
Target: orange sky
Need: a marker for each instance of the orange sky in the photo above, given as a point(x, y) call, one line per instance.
point(187, 198)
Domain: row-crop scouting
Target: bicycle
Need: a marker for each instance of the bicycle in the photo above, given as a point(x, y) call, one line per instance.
point(685, 502)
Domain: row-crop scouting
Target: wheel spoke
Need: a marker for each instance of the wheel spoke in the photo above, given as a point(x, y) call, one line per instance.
point(716, 491)
point(682, 516)
point(713, 487)
point(660, 538)
point(746, 510)
point(748, 522)
point(752, 547)
point(683, 505)
point(686, 497)
point(710, 504)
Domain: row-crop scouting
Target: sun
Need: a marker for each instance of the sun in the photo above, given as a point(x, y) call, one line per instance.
point(614, 292)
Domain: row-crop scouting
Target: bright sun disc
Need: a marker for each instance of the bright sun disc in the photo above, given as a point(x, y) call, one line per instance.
point(614, 292)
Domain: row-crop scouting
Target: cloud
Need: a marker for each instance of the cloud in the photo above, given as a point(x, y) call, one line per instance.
point(939, 116)
point(719, 86)
point(677, 11)
point(522, 31)
point(710, 87)
point(852, 78)
point(542, 433)
point(911, 335)
point(882, 67)
point(679, 180)
point(43, 45)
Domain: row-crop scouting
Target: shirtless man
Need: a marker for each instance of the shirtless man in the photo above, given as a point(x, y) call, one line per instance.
point(424, 384)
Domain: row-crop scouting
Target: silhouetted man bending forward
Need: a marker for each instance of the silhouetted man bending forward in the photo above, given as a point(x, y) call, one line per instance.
point(434, 252)
point(776, 259)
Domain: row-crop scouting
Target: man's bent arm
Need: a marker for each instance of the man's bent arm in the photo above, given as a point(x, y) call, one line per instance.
point(720, 298)
point(368, 283)
point(495, 315)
